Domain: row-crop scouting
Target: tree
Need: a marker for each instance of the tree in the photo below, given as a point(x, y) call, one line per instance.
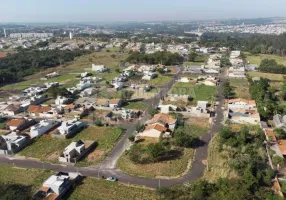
point(131, 138)
point(183, 139)
point(126, 94)
point(227, 89)
point(98, 123)
point(192, 56)
point(283, 90)
point(280, 133)
point(155, 150)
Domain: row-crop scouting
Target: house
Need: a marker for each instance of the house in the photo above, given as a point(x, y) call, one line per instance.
point(102, 102)
point(88, 92)
point(241, 103)
point(115, 103)
point(202, 105)
point(127, 114)
point(37, 99)
point(184, 80)
point(163, 119)
point(210, 71)
point(12, 110)
point(43, 127)
point(52, 75)
point(270, 135)
point(13, 143)
point(149, 76)
point(153, 130)
point(75, 151)
point(60, 100)
point(214, 61)
point(244, 116)
point(98, 68)
point(279, 121)
point(68, 129)
point(167, 108)
point(282, 147)
point(41, 111)
point(236, 72)
point(70, 107)
point(20, 124)
point(117, 85)
point(56, 186)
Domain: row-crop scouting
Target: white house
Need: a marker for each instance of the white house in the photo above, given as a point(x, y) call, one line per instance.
point(117, 85)
point(167, 108)
point(68, 128)
point(75, 150)
point(60, 100)
point(98, 68)
point(115, 103)
point(241, 103)
point(148, 76)
point(184, 80)
point(43, 127)
point(56, 186)
point(12, 143)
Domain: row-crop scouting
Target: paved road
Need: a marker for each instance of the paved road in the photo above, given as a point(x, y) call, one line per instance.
point(108, 166)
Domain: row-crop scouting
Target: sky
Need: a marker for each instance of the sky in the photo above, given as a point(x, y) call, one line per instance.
point(134, 10)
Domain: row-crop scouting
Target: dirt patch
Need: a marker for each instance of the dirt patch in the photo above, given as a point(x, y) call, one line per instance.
point(96, 154)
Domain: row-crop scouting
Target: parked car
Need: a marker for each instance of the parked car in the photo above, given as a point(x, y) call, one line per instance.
point(111, 178)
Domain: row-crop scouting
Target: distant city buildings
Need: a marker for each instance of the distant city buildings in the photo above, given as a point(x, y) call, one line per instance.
point(31, 35)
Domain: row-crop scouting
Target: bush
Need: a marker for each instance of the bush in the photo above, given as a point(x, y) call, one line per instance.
point(131, 138)
point(278, 160)
point(98, 123)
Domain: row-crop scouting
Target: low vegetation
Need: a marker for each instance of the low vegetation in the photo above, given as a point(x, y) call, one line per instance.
point(47, 148)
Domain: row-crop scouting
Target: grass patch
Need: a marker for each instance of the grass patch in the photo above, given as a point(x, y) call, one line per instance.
point(183, 88)
point(47, 148)
point(270, 76)
point(193, 63)
point(27, 181)
point(218, 163)
point(198, 125)
point(160, 80)
point(103, 190)
point(168, 168)
point(136, 105)
point(256, 59)
point(241, 88)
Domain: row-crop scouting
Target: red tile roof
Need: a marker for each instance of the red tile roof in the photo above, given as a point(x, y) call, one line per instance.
point(15, 122)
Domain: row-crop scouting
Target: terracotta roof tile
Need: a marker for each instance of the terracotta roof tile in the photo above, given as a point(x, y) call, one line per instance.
point(157, 127)
point(15, 122)
point(101, 101)
point(114, 101)
point(164, 118)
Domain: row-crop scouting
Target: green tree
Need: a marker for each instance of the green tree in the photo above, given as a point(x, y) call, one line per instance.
point(155, 150)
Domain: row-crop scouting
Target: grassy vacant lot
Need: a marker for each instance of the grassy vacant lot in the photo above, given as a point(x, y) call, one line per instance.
point(136, 105)
point(25, 181)
point(198, 125)
point(47, 148)
point(197, 92)
point(237, 127)
point(104, 190)
point(241, 89)
point(160, 80)
point(256, 59)
point(218, 163)
point(168, 168)
point(77, 66)
point(272, 77)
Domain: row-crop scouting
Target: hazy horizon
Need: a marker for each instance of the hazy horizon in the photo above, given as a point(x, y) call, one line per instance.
point(32, 11)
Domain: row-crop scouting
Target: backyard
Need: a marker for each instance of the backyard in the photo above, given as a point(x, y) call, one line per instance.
point(49, 149)
point(272, 77)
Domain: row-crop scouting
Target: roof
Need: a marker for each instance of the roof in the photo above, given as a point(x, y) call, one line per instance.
point(157, 127)
point(282, 146)
point(114, 101)
point(39, 109)
point(165, 118)
point(270, 134)
point(12, 107)
point(101, 101)
point(2, 54)
point(250, 102)
point(15, 122)
point(44, 188)
point(69, 106)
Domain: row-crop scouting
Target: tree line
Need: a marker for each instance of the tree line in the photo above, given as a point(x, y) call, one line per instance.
point(16, 66)
point(248, 159)
point(164, 57)
point(271, 66)
point(254, 43)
